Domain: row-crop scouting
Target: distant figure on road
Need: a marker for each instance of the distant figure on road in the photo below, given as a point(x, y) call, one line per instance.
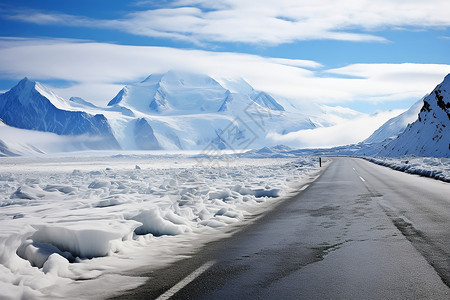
point(320, 162)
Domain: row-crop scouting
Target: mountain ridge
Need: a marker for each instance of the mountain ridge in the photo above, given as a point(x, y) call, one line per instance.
point(173, 111)
point(429, 135)
point(185, 111)
point(30, 105)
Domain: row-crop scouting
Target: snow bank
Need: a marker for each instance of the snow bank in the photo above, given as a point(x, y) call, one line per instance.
point(153, 223)
point(80, 238)
point(438, 168)
point(66, 219)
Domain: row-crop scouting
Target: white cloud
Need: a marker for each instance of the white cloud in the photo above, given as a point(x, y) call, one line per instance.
point(270, 22)
point(385, 82)
point(297, 63)
point(344, 133)
point(97, 70)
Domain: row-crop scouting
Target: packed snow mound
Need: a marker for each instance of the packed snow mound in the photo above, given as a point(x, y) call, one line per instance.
point(429, 135)
point(395, 126)
point(30, 105)
point(80, 239)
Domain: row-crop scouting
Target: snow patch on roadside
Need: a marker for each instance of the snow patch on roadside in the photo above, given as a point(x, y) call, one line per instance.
point(433, 167)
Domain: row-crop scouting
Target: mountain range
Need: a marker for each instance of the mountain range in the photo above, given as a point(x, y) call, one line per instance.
point(170, 111)
point(185, 111)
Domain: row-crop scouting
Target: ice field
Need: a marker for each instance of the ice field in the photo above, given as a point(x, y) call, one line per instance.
point(83, 224)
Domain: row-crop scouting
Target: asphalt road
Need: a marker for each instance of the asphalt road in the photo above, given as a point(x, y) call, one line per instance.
point(360, 231)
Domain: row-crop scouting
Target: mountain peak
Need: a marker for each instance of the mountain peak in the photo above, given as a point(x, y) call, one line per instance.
point(180, 78)
point(174, 92)
point(25, 83)
point(23, 90)
point(153, 78)
point(180, 93)
point(24, 79)
point(447, 79)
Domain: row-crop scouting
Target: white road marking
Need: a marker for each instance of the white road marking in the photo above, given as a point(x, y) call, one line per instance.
point(362, 179)
point(304, 187)
point(188, 279)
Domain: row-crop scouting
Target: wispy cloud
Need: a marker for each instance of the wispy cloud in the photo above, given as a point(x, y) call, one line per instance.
point(98, 70)
point(268, 22)
point(343, 133)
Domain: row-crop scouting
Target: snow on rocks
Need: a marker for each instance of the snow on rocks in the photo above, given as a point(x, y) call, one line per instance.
point(65, 219)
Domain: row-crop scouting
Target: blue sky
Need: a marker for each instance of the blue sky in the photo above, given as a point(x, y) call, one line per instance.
point(365, 55)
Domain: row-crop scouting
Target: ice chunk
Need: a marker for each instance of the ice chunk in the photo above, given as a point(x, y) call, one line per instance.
point(77, 173)
point(22, 194)
point(80, 239)
point(153, 223)
point(267, 193)
point(110, 201)
point(212, 223)
point(228, 213)
point(98, 184)
point(38, 253)
point(220, 194)
point(57, 265)
point(258, 193)
point(61, 188)
point(27, 192)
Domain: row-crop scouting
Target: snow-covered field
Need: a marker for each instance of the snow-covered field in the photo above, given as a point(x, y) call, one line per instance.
point(434, 167)
point(82, 226)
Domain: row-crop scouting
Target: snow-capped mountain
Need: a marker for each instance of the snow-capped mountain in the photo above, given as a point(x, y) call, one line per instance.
point(172, 93)
point(194, 111)
point(30, 105)
point(174, 110)
point(395, 126)
point(169, 111)
point(429, 135)
point(422, 130)
point(175, 93)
